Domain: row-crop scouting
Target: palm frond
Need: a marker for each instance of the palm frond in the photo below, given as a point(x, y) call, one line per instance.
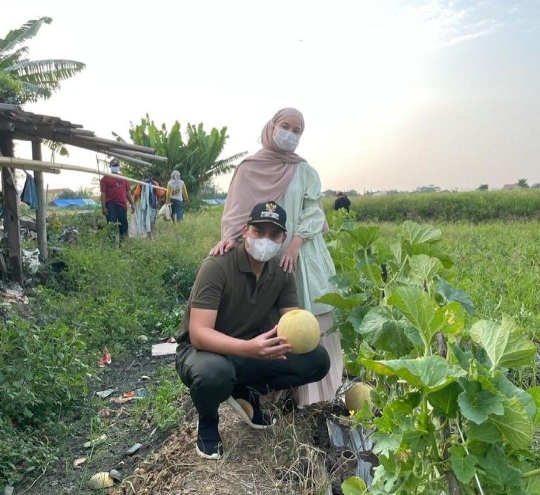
point(228, 162)
point(24, 33)
point(118, 137)
point(56, 147)
point(13, 58)
point(46, 71)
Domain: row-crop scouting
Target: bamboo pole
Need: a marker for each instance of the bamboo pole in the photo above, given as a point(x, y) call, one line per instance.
point(128, 158)
point(140, 154)
point(108, 142)
point(35, 168)
point(18, 162)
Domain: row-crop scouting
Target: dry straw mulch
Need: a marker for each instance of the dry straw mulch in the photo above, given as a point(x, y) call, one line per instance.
point(281, 461)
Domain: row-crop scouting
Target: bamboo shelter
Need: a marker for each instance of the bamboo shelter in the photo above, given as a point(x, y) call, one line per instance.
point(17, 124)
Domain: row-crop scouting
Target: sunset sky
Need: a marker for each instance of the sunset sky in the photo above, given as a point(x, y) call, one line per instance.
point(395, 94)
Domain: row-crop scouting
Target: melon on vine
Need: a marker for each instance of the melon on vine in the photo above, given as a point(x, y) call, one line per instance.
point(357, 395)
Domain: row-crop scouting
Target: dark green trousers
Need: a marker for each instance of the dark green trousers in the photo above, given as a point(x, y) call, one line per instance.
point(212, 378)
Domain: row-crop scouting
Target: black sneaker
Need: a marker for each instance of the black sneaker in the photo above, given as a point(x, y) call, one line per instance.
point(249, 410)
point(209, 445)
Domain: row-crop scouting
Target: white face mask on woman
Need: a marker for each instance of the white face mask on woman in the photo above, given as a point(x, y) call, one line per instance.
point(286, 140)
point(262, 249)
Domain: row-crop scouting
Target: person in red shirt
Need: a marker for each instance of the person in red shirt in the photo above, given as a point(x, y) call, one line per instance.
point(115, 194)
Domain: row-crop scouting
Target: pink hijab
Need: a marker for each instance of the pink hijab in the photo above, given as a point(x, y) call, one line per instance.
point(261, 177)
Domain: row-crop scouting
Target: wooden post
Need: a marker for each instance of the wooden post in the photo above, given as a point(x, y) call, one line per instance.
point(41, 213)
point(11, 210)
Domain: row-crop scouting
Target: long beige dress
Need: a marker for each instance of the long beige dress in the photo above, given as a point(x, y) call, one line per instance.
point(305, 218)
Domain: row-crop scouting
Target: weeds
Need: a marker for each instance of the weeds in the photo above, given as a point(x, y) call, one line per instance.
point(164, 403)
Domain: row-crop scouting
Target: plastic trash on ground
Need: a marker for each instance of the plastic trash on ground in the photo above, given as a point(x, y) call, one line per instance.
point(105, 358)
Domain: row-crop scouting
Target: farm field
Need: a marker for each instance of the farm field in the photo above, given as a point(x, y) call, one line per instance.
point(109, 296)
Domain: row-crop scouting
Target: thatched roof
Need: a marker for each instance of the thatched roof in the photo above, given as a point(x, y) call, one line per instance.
point(29, 126)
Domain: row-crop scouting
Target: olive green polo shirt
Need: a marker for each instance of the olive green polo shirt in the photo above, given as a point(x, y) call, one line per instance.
point(227, 284)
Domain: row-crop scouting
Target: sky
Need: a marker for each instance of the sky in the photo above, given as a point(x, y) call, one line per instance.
point(395, 94)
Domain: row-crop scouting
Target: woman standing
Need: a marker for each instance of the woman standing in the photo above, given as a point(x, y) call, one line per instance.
point(277, 173)
point(176, 195)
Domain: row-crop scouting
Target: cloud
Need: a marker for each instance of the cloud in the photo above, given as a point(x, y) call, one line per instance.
point(452, 22)
point(482, 28)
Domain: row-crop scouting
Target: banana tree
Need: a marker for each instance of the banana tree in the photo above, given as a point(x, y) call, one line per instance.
point(197, 158)
point(23, 80)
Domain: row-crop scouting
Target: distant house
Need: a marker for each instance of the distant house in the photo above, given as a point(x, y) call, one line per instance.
point(509, 187)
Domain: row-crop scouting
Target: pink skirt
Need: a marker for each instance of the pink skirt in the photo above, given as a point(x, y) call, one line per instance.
point(326, 389)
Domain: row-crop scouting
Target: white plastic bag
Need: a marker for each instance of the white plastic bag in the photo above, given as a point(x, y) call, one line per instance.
point(165, 211)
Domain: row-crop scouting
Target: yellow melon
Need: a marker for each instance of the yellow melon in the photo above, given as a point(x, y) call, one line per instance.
point(301, 329)
point(357, 395)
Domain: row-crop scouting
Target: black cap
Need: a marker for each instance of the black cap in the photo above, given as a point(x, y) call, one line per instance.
point(268, 212)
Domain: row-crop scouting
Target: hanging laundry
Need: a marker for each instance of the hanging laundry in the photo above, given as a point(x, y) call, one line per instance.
point(29, 194)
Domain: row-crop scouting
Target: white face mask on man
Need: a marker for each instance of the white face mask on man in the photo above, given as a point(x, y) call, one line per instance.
point(115, 169)
point(262, 249)
point(286, 140)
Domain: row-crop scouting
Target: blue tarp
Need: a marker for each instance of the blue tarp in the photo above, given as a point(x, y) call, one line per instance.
point(215, 201)
point(62, 203)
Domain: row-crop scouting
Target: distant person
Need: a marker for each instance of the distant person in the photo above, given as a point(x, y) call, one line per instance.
point(228, 348)
point(176, 195)
point(115, 194)
point(341, 202)
point(149, 204)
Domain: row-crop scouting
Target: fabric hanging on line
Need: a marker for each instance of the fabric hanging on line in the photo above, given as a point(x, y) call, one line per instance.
point(135, 228)
point(29, 193)
point(143, 217)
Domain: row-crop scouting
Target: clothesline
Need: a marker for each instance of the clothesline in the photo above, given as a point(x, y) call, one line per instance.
point(18, 162)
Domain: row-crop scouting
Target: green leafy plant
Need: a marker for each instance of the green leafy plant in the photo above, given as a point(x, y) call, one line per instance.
point(42, 373)
point(451, 421)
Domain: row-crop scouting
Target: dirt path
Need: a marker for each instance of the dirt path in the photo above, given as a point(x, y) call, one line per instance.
point(60, 477)
point(294, 458)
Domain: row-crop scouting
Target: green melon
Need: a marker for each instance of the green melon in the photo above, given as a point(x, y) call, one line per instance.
point(301, 329)
point(357, 395)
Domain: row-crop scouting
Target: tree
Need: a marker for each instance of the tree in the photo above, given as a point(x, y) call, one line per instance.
point(428, 189)
point(67, 194)
point(482, 187)
point(523, 183)
point(197, 159)
point(23, 80)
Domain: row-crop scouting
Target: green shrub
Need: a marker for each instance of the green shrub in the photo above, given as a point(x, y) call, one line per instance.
point(42, 370)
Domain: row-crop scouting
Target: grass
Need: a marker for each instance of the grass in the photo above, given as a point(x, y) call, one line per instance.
point(473, 206)
point(165, 404)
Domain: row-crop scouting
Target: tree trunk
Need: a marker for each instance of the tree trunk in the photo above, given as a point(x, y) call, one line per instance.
point(11, 210)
